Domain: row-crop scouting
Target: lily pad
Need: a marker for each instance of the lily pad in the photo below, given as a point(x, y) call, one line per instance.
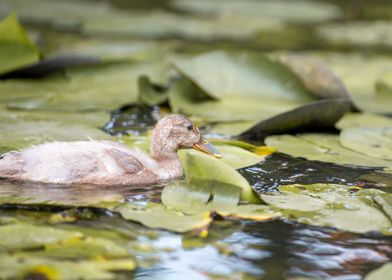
point(216, 197)
point(150, 94)
point(20, 134)
point(356, 120)
point(14, 266)
point(163, 24)
point(221, 74)
point(316, 75)
point(293, 11)
point(16, 49)
point(25, 236)
point(237, 157)
point(201, 167)
point(380, 273)
point(374, 142)
point(322, 147)
point(315, 115)
point(158, 216)
point(329, 205)
point(85, 90)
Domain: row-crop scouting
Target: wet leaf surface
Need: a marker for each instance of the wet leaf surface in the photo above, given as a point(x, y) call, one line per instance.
point(16, 49)
point(321, 147)
point(374, 142)
point(355, 120)
point(330, 205)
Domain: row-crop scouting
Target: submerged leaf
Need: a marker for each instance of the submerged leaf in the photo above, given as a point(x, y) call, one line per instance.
point(16, 49)
point(201, 167)
point(374, 142)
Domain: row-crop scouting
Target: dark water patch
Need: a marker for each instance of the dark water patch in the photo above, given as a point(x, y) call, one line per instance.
point(132, 119)
point(282, 169)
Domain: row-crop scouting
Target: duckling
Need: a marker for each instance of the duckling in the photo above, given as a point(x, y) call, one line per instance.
point(107, 162)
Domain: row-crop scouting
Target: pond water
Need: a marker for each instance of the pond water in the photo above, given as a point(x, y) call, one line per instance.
point(99, 93)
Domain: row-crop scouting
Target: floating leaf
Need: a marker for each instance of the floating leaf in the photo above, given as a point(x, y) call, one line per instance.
point(315, 115)
point(355, 120)
point(237, 157)
point(380, 273)
point(25, 236)
point(16, 49)
point(200, 197)
point(158, 216)
point(201, 167)
point(374, 142)
point(17, 135)
point(221, 74)
point(150, 94)
point(317, 76)
point(14, 266)
point(86, 247)
point(293, 11)
point(329, 205)
point(162, 24)
point(213, 196)
point(321, 147)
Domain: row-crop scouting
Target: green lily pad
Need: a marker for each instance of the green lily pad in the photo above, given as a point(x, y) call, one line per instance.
point(113, 50)
point(315, 115)
point(237, 157)
point(200, 197)
point(163, 24)
point(14, 266)
point(16, 49)
point(20, 134)
point(85, 90)
point(329, 205)
point(321, 147)
point(86, 247)
point(293, 11)
point(186, 98)
point(216, 197)
point(316, 75)
point(364, 77)
point(221, 74)
point(158, 216)
point(25, 236)
point(356, 120)
point(149, 94)
point(201, 167)
point(380, 273)
point(374, 142)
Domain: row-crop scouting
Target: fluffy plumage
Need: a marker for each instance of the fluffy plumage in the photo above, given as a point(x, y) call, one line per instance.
point(104, 162)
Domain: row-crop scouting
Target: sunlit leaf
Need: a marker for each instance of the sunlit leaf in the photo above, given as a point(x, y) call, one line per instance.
point(293, 11)
point(380, 273)
point(355, 120)
point(158, 216)
point(374, 142)
point(201, 167)
point(321, 147)
point(16, 49)
point(14, 266)
point(25, 236)
point(329, 205)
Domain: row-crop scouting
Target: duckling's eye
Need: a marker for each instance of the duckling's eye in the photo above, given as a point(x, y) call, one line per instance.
point(189, 127)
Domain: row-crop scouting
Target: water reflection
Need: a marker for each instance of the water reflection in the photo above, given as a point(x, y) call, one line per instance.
point(75, 194)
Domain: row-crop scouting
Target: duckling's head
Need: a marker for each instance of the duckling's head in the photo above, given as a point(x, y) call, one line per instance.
point(174, 132)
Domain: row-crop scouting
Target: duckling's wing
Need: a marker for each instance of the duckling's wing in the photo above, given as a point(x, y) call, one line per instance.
point(124, 160)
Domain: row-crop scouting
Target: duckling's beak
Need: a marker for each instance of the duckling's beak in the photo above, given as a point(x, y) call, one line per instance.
point(207, 148)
